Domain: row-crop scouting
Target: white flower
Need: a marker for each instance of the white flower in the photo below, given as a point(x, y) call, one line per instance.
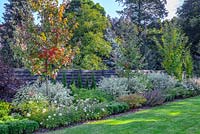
point(55, 101)
point(44, 110)
point(54, 114)
point(103, 109)
point(60, 114)
point(28, 115)
point(41, 123)
point(49, 116)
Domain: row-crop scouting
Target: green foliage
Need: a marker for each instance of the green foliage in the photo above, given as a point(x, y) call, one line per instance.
point(64, 80)
point(143, 11)
point(72, 82)
point(5, 109)
point(33, 110)
point(129, 50)
point(176, 56)
point(178, 93)
point(133, 100)
point(93, 84)
point(87, 86)
point(18, 127)
point(188, 18)
point(79, 83)
point(4, 129)
point(117, 107)
point(22, 127)
point(83, 110)
point(90, 34)
point(93, 94)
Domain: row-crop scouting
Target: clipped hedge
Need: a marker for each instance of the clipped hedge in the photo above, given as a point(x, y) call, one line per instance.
point(18, 127)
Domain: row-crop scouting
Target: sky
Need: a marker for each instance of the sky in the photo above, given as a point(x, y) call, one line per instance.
point(111, 7)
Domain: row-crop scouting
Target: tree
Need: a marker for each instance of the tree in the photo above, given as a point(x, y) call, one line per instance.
point(90, 34)
point(176, 56)
point(129, 58)
point(143, 12)
point(189, 19)
point(16, 12)
point(45, 49)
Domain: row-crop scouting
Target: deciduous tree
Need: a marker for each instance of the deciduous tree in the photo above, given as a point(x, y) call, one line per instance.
point(45, 49)
point(90, 34)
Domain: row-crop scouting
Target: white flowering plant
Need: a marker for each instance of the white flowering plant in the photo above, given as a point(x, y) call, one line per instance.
point(58, 95)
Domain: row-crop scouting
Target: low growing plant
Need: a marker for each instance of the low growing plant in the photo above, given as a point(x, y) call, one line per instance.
point(133, 100)
point(92, 94)
point(154, 97)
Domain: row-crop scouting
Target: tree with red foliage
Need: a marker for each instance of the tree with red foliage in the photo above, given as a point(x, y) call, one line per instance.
point(45, 48)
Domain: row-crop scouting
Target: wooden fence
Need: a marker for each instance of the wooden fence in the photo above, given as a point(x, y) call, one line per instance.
point(71, 75)
point(25, 75)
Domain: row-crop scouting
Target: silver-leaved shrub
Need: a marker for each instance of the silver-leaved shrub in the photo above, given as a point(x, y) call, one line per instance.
point(162, 81)
point(118, 86)
point(58, 95)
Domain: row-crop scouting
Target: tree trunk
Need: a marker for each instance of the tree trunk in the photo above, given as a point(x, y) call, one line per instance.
point(46, 78)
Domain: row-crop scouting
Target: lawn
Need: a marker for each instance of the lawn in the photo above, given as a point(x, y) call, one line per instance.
point(181, 117)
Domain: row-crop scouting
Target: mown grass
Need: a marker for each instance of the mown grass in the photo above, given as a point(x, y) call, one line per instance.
point(181, 117)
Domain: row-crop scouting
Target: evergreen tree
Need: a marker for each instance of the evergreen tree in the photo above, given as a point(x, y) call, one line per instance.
point(142, 13)
point(189, 19)
point(16, 13)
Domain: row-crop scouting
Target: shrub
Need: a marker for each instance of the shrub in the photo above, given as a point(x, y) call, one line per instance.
point(133, 100)
point(34, 110)
point(37, 92)
point(139, 83)
point(119, 86)
point(57, 93)
point(192, 84)
point(154, 97)
point(92, 94)
point(28, 93)
point(5, 109)
point(4, 129)
point(162, 81)
point(18, 127)
point(114, 86)
point(83, 110)
point(178, 93)
point(22, 127)
point(116, 107)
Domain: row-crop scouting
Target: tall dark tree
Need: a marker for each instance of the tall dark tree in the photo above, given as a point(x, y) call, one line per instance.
point(142, 13)
point(189, 15)
point(90, 34)
point(16, 12)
